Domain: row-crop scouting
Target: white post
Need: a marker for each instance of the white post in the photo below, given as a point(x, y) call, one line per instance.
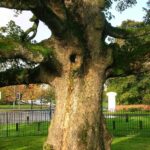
point(111, 101)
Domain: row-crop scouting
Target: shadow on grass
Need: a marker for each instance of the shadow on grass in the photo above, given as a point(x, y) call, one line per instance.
point(135, 142)
point(22, 143)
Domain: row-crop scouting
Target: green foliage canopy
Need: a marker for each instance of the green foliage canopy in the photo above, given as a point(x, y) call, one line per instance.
point(132, 89)
point(129, 54)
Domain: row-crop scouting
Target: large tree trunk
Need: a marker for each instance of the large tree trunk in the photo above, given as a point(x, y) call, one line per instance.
point(78, 121)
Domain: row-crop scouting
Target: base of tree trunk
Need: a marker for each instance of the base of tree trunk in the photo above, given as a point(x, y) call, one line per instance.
point(47, 147)
point(78, 122)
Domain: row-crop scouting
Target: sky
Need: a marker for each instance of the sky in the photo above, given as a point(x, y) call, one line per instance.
point(23, 20)
point(136, 13)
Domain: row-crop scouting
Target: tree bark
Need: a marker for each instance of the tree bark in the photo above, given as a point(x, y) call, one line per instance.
point(78, 121)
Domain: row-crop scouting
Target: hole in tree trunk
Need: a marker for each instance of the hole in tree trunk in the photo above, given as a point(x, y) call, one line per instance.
point(73, 58)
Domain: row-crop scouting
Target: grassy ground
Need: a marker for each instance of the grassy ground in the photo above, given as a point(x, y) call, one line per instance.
point(36, 143)
point(24, 129)
point(22, 143)
point(131, 143)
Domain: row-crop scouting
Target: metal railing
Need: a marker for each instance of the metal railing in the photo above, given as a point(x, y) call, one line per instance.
point(36, 122)
point(24, 122)
point(128, 123)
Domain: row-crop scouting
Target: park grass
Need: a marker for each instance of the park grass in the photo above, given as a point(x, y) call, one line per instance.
point(22, 143)
point(24, 129)
point(36, 143)
point(131, 143)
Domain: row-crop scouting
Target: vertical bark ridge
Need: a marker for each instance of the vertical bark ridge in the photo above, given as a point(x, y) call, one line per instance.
point(77, 123)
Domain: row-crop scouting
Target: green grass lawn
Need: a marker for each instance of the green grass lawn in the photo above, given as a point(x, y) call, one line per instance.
point(131, 143)
point(24, 129)
point(22, 143)
point(36, 143)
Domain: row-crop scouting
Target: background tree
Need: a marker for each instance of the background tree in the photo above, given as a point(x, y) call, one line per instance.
point(27, 92)
point(49, 95)
point(147, 16)
point(74, 61)
point(133, 89)
point(24, 92)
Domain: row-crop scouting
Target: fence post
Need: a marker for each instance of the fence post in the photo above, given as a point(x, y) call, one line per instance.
point(27, 119)
point(114, 125)
point(17, 126)
point(50, 112)
point(127, 118)
point(7, 124)
point(38, 126)
point(140, 124)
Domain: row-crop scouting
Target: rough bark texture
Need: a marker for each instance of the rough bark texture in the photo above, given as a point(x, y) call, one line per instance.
point(78, 122)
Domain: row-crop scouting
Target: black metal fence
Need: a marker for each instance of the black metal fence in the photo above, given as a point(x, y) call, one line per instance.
point(128, 123)
point(24, 122)
point(36, 122)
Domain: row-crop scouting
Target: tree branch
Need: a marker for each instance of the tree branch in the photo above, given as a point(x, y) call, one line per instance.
point(10, 49)
point(54, 22)
point(17, 76)
point(122, 33)
point(19, 4)
point(52, 13)
point(26, 37)
point(44, 53)
point(127, 62)
point(116, 32)
point(20, 76)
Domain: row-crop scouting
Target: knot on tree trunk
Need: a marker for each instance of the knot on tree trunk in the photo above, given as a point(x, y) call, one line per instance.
point(76, 61)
